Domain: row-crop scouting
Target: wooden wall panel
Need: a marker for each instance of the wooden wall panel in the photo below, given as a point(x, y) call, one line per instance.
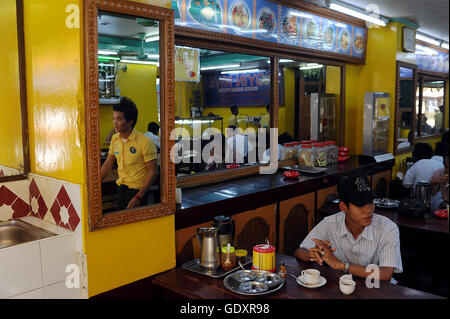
point(377, 178)
point(288, 209)
point(186, 243)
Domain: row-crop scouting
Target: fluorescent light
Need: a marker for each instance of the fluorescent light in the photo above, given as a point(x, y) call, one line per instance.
point(152, 38)
point(420, 49)
point(111, 52)
point(310, 67)
point(427, 39)
point(299, 14)
point(356, 14)
point(108, 58)
point(282, 61)
point(105, 64)
point(240, 71)
point(444, 45)
point(224, 66)
point(140, 62)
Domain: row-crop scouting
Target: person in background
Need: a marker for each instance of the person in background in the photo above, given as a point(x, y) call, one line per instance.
point(283, 138)
point(439, 186)
point(423, 169)
point(237, 146)
point(422, 151)
point(135, 155)
point(265, 120)
point(354, 238)
point(233, 120)
point(153, 132)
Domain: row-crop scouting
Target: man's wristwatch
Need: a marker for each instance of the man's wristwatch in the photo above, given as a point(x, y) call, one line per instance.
point(347, 266)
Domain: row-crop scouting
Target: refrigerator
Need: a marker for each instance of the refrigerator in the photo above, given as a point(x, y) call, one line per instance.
point(323, 116)
point(376, 123)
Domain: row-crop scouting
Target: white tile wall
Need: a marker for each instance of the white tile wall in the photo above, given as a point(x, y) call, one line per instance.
point(60, 291)
point(35, 294)
point(20, 269)
point(56, 254)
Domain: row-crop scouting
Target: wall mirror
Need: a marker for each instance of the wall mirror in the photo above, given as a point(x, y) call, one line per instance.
point(405, 107)
point(129, 111)
point(430, 106)
point(14, 156)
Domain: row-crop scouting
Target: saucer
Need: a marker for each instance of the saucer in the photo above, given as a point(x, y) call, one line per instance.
point(322, 282)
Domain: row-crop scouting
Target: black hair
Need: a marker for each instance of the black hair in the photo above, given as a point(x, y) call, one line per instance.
point(128, 108)
point(422, 151)
point(446, 137)
point(284, 138)
point(441, 149)
point(234, 108)
point(232, 127)
point(268, 107)
point(153, 127)
point(341, 190)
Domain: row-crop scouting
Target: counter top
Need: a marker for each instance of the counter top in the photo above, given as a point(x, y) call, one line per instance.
point(202, 203)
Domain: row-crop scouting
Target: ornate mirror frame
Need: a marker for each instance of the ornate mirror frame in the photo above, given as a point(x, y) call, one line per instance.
point(97, 220)
point(23, 96)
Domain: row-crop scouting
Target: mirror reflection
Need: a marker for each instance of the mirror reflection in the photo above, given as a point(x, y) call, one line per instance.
point(432, 111)
point(221, 100)
point(11, 154)
point(128, 59)
point(405, 107)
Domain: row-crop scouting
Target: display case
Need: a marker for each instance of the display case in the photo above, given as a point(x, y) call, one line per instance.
point(323, 116)
point(376, 123)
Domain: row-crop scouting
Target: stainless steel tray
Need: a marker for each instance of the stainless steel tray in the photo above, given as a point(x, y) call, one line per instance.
point(233, 285)
point(194, 265)
point(304, 169)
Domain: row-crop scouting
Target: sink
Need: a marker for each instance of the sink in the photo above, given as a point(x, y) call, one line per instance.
point(16, 231)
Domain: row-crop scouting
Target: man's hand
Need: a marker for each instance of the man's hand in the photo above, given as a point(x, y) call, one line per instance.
point(323, 252)
point(134, 202)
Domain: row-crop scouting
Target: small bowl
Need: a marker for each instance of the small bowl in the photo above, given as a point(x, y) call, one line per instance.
point(441, 213)
point(231, 166)
point(291, 174)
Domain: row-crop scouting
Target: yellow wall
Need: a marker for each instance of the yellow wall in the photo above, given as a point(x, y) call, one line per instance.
point(55, 85)
point(10, 128)
point(333, 86)
point(139, 84)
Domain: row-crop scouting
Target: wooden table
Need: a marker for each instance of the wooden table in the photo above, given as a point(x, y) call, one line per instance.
point(181, 283)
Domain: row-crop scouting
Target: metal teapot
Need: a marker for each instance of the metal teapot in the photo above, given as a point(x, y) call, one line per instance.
point(423, 191)
point(209, 245)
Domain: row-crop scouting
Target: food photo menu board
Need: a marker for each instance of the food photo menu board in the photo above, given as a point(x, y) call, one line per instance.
point(267, 21)
point(429, 59)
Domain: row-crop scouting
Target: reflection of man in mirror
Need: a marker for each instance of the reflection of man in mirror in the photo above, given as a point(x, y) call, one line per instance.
point(233, 120)
point(135, 155)
point(152, 133)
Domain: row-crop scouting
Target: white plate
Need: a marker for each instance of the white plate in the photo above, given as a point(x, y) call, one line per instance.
point(322, 282)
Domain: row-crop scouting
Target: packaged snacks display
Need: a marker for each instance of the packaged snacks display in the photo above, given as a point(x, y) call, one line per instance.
point(333, 150)
point(288, 152)
point(306, 156)
point(321, 155)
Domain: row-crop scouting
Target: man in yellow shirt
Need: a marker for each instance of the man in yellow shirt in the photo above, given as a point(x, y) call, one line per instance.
point(265, 120)
point(135, 154)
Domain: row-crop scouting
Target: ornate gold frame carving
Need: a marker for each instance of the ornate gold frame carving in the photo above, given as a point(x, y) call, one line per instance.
point(167, 169)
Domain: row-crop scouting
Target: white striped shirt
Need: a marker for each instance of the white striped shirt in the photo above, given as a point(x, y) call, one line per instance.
point(378, 244)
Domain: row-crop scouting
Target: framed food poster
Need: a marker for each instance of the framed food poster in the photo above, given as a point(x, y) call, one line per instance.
point(344, 39)
point(176, 8)
point(290, 26)
point(187, 64)
point(311, 33)
point(358, 42)
point(266, 21)
point(239, 17)
point(329, 35)
point(205, 14)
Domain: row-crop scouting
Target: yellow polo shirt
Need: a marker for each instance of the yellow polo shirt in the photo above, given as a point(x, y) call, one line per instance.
point(131, 157)
point(232, 121)
point(265, 121)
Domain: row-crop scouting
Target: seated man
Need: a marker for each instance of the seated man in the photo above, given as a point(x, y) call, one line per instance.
point(135, 155)
point(354, 238)
point(439, 188)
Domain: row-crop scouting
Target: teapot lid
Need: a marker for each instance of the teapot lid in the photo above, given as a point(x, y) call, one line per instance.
point(222, 219)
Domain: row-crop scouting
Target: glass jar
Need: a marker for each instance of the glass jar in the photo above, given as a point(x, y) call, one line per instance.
point(334, 151)
point(289, 151)
point(321, 155)
point(227, 266)
point(241, 256)
point(306, 156)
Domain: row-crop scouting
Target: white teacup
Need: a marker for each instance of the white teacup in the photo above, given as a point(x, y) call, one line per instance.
point(311, 276)
point(347, 286)
point(348, 276)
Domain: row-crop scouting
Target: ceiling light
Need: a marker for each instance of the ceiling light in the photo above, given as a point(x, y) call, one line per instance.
point(140, 62)
point(282, 61)
point(109, 58)
point(444, 45)
point(216, 67)
point(310, 67)
point(152, 38)
point(108, 52)
point(356, 14)
point(300, 14)
point(240, 71)
point(427, 39)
